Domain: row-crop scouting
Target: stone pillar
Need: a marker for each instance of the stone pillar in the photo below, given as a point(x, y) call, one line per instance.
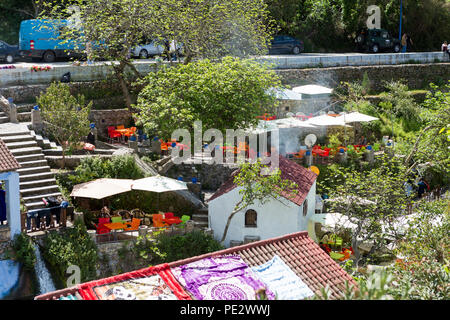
point(190, 225)
point(12, 201)
point(36, 120)
point(13, 113)
point(143, 231)
point(92, 234)
point(369, 154)
point(308, 158)
point(133, 145)
point(342, 157)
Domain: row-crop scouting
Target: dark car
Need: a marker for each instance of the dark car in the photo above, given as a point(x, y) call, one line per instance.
point(376, 40)
point(8, 52)
point(285, 45)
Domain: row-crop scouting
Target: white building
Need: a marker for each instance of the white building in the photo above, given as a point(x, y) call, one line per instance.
point(271, 219)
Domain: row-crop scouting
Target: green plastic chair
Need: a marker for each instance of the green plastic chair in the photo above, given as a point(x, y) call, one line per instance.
point(116, 219)
point(184, 219)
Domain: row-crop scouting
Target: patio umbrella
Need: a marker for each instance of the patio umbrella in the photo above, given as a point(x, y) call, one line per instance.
point(285, 94)
point(101, 188)
point(159, 184)
point(356, 117)
point(292, 123)
point(333, 220)
point(312, 89)
point(326, 120)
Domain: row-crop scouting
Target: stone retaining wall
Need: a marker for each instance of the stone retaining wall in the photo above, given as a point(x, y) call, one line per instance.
point(417, 76)
point(105, 118)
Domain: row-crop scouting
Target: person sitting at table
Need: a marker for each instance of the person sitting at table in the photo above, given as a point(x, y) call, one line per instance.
point(104, 212)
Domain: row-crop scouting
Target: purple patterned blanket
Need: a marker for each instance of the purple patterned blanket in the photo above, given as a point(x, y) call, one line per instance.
point(220, 278)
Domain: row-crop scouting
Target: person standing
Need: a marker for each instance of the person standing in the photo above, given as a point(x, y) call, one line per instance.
point(409, 42)
point(445, 48)
point(2, 204)
point(404, 43)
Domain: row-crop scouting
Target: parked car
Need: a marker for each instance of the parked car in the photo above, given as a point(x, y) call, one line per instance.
point(376, 40)
point(38, 39)
point(153, 48)
point(285, 45)
point(8, 52)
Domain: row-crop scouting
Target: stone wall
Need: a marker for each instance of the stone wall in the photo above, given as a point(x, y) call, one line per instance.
point(211, 176)
point(105, 118)
point(417, 76)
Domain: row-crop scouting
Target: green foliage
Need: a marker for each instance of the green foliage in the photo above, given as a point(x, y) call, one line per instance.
point(24, 250)
point(73, 246)
point(173, 248)
point(226, 94)
point(65, 116)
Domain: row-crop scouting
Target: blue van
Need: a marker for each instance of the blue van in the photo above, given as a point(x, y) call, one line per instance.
point(38, 39)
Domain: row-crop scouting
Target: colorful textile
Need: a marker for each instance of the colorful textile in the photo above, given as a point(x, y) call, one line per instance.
point(280, 279)
point(154, 283)
point(219, 278)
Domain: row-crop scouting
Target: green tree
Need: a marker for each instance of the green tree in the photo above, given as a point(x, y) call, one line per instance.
point(65, 116)
point(226, 94)
point(372, 200)
point(257, 184)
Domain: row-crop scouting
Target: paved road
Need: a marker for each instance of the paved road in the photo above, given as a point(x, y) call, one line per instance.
point(21, 64)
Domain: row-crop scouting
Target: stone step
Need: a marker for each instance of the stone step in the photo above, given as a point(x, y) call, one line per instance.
point(37, 183)
point(33, 163)
point(36, 176)
point(32, 170)
point(4, 119)
point(39, 190)
point(26, 151)
point(34, 205)
point(38, 198)
point(24, 107)
point(201, 224)
point(13, 133)
point(200, 217)
point(30, 157)
point(21, 144)
point(18, 138)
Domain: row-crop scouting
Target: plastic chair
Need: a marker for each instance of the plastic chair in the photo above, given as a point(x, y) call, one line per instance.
point(121, 126)
point(169, 215)
point(113, 134)
point(101, 229)
point(158, 222)
point(133, 225)
point(116, 219)
point(184, 219)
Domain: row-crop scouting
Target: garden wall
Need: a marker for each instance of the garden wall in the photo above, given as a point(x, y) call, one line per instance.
point(417, 76)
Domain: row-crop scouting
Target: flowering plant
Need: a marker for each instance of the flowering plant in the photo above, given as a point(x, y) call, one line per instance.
point(39, 68)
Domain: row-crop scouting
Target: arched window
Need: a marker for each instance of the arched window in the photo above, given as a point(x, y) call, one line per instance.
point(305, 207)
point(250, 218)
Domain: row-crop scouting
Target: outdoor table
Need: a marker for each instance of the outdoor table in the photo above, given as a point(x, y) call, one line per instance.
point(123, 131)
point(171, 221)
point(114, 226)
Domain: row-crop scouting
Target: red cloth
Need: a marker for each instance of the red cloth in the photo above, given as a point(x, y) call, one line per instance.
point(163, 270)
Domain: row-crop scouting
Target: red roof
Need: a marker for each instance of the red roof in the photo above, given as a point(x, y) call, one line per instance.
point(312, 264)
point(290, 170)
point(7, 160)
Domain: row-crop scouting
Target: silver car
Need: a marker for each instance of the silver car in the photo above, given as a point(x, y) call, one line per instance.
point(144, 51)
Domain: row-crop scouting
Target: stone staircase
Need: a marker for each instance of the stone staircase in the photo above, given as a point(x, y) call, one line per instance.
point(3, 117)
point(201, 218)
point(36, 179)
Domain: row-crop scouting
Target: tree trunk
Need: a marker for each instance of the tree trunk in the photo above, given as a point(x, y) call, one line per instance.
point(225, 231)
point(416, 144)
point(119, 72)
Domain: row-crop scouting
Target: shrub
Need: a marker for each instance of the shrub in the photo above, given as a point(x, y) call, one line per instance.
point(173, 248)
point(71, 247)
point(24, 250)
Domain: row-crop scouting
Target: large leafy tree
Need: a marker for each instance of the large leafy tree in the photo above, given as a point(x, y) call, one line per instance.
point(226, 94)
point(65, 116)
point(372, 200)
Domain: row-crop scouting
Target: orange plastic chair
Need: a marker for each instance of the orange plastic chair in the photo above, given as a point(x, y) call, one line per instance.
point(158, 222)
point(133, 225)
point(121, 127)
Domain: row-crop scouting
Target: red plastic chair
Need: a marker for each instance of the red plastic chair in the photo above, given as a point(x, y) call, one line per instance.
point(169, 215)
point(113, 134)
point(101, 228)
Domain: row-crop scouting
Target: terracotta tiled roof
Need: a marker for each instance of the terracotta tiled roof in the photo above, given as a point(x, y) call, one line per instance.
point(290, 170)
point(312, 264)
point(7, 160)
